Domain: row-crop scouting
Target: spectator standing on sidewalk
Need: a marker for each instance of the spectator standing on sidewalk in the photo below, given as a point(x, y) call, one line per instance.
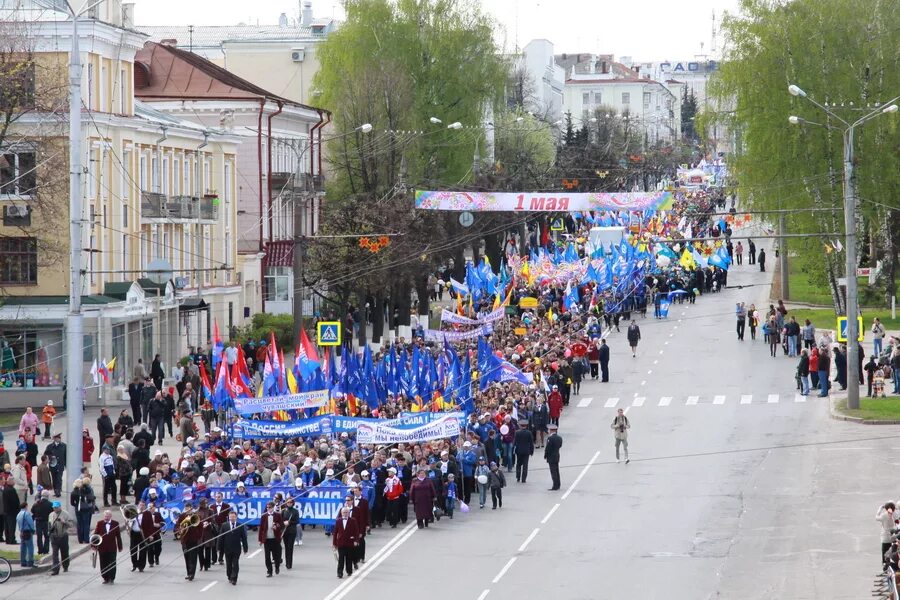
point(47, 416)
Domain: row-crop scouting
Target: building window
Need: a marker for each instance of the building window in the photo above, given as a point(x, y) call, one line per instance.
point(118, 353)
point(646, 99)
point(18, 261)
point(30, 358)
point(626, 98)
point(18, 173)
point(597, 99)
point(278, 283)
point(585, 98)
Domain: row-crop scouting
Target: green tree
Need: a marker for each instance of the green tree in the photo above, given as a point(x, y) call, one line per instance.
point(843, 54)
point(688, 112)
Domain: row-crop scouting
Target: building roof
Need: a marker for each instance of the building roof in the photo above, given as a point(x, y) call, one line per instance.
point(167, 72)
point(213, 36)
point(119, 289)
point(606, 81)
point(93, 299)
point(583, 64)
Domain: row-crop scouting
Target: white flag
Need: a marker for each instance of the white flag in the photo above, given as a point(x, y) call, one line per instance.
point(95, 373)
point(838, 245)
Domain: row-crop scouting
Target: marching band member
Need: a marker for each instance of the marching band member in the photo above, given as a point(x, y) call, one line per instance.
point(190, 536)
point(209, 530)
point(291, 518)
point(271, 527)
point(152, 525)
point(360, 512)
point(110, 545)
point(220, 510)
point(136, 545)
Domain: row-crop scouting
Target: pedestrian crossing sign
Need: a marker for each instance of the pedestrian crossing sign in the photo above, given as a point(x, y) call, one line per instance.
point(557, 225)
point(842, 329)
point(329, 333)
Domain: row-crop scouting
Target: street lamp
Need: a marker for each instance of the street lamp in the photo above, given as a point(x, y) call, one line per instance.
point(455, 125)
point(848, 132)
point(435, 121)
point(365, 128)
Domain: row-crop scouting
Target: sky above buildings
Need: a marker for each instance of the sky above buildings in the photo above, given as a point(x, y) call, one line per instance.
point(645, 30)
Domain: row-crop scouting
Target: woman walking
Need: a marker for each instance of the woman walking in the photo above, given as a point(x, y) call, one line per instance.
point(773, 334)
point(814, 367)
point(808, 333)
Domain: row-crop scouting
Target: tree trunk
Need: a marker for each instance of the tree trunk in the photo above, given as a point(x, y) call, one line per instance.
point(493, 249)
point(402, 301)
point(459, 263)
point(363, 322)
point(378, 319)
point(523, 239)
point(424, 296)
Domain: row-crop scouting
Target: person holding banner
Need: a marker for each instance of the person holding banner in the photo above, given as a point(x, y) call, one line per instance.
point(290, 516)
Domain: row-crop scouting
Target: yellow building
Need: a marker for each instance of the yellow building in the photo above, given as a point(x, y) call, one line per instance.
point(155, 187)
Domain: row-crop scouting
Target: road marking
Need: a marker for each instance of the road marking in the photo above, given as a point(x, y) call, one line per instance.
point(208, 585)
point(644, 382)
point(719, 400)
point(344, 588)
point(746, 399)
point(581, 475)
point(692, 400)
point(484, 594)
point(666, 343)
point(254, 553)
point(661, 351)
point(505, 568)
point(611, 403)
point(665, 400)
point(528, 539)
point(799, 398)
point(676, 326)
point(683, 313)
point(773, 398)
point(638, 401)
point(671, 335)
point(656, 362)
point(650, 372)
point(549, 514)
point(585, 402)
point(625, 410)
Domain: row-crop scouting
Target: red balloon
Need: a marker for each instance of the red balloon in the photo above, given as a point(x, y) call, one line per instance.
point(499, 353)
point(554, 365)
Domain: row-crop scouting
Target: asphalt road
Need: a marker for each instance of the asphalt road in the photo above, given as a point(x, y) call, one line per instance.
point(735, 490)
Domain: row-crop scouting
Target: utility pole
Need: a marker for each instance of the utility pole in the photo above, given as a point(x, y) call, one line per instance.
point(74, 320)
point(853, 356)
point(783, 259)
point(201, 273)
point(300, 202)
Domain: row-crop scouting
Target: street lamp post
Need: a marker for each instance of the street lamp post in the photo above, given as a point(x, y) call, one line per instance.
point(848, 132)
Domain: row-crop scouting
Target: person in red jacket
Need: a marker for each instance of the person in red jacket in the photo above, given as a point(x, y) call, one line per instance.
point(87, 447)
point(271, 526)
point(345, 539)
point(555, 404)
point(110, 545)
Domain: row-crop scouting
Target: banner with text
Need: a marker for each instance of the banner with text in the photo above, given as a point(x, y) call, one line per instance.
point(455, 319)
point(332, 424)
point(378, 433)
point(304, 400)
point(319, 505)
point(542, 202)
point(436, 335)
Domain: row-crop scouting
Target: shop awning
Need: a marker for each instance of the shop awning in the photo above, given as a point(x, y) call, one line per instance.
point(280, 254)
point(193, 304)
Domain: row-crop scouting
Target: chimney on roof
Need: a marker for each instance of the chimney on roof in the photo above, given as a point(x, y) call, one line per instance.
point(306, 14)
point(169, 42)
point(128, 15)
point(594, 62)
point(282, 20)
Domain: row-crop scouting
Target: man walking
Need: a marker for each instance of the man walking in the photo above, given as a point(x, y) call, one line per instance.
point(604, 357)
point(634, 336)
point(523, 443)
point(751, 252)
point(345, 538)
point(551, 455)
point(41, 511)
point(824, 370)
point(762, 260)
point(234, 541)
point(110, 546)
point(290, 516)
point(620, 427)
point(60, 521)
point(271, 527)
point(57, 450)
point(741, 313)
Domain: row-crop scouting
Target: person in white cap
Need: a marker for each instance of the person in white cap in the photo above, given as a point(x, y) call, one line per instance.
point(393, 492)
point(141, 483)
point(468, 457)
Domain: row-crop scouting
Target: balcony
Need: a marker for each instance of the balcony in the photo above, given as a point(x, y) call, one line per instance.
point(283, 182)
point(160, 206)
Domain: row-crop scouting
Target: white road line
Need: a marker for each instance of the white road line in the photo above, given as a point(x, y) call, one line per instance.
point(585, 402)
point(665, 400)
point(581, 475)
point(799, 398)
point(773, 398)
point(344, 588)
point(625, 410)
point(644, 382)
point(666, 343)
point(549, 514)
point(528, 539)
point(650, 372)
point(638, 401)
point(611, 403)
point(661, 351)
point(208, 585)
point(484, 594)
point(683, 313)
point(656, 362)
point(505, 568)
point(692, 400)
point(671, 335)
point(254, 553)
point(719, 400)
point(746, 399)
point(676, 326)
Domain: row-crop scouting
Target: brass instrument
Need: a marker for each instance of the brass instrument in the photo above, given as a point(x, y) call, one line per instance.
point(129, 512)
point(191, 521)
point(95, 540)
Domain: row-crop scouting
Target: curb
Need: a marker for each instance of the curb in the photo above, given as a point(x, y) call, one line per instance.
point(46, 563)
point(13, 433)
point(837, 416)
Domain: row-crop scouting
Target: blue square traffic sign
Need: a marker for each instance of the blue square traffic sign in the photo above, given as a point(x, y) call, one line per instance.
point(329, 333)
point(842, 329)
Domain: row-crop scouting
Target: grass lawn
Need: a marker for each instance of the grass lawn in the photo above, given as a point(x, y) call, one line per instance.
point(14, 555)
point(824, 318)
point(873, 409)
point(803, 292)
point(9, 420)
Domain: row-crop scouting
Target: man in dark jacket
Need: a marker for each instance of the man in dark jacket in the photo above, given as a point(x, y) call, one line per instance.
point(604, 361)
point(41, 512)
point(157, 410)
point(291, 518)
point(234, 540)
point(142, 435)
point(56, 449)
point(524, 446)
point(156, 372)
point(540, 417)
point(551, 455)
point(148, 393)
point(105, 427)
point(11, 507)
point(134, 398)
